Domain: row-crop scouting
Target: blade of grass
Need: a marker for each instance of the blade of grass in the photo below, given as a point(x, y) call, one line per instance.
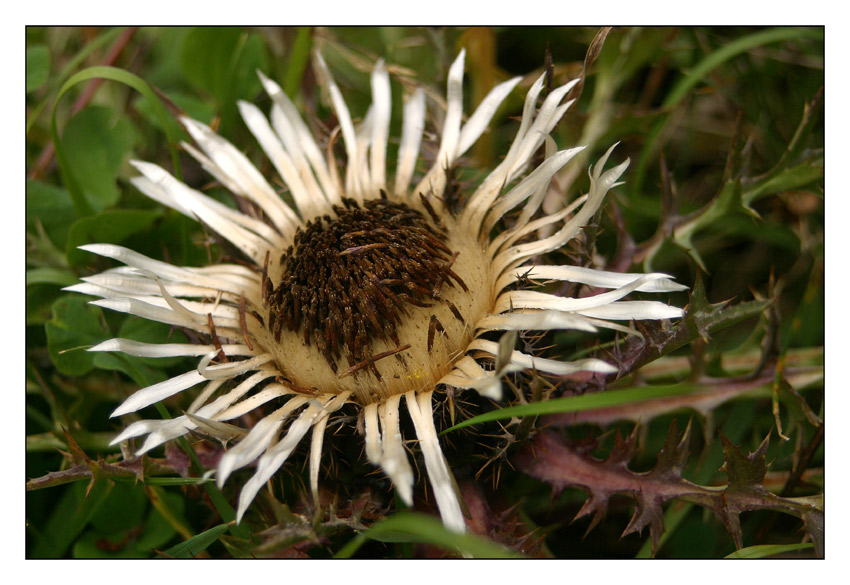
point(113, 74)
point(699, 72)
point(197, 544)
point(580, 403)
point(78, 58)
point(413, 527)
point(298, 57)
point(768, 550)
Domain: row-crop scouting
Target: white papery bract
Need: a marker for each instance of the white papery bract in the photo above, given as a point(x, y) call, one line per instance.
point(268, 358)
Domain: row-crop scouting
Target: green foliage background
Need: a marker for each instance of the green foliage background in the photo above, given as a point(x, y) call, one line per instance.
point(724, 128)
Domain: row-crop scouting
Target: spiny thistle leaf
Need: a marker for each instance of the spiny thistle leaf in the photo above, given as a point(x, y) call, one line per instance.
point(552, 459)
point(674, 455)
point(701, 319)
point(745, 473)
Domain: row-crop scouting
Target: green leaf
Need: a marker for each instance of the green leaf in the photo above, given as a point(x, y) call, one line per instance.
point(123, 510)
point(107, 227)
point(75, 326)
point(158, 530)
point(142, 374)
point(768, 550)
point(700, 71)
point(413, 527)
point(197, 544)
point(788, 179)
point(223, 61)
point(206, 56)
point(193, 106)
point(97, 142)
point(70, 517)
point(50, 207)
point(50, 276)
point(38, 66)
point(299, 56)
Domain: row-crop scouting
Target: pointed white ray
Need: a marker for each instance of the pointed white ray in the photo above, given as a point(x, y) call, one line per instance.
point(373, 433)
point(549, 366)
point(134, 283)
point(140, 349)
point(600, 183)
point(299, 141)
point(306, 201)
point(267, 394)
point(257, 440)
point(393, 456)
point(435, 181)
point(162, 187)
point(439, 474)
point(164, 270)
point(534, 321)
point(276, 456)
point(243, 174)
point(224, 432)
point(535, 181)
point(359, 167)
point(411, 139)
point(534, 127)
point(480, 119)
point(508, 237)
point(532, 299)
point(158, 392)
point(655, 282)
point(634, 310)
point(317, 440)
point(381, 108)
point(349, 136)
point(467, 373)
point(156, 309)
point(205, 394)
point(230, 369)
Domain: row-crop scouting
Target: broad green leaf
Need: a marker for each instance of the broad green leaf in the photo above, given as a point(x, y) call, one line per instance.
point(126, 526)
point(192, 106)
point(223, 61)
point(38, 66)
point(69, 173)
point(75, 326)
point(69, 518)
point(50, 276)
point(48, 206)
point(158, 530)
point(97, 142)
point(107, 227)
point(123, 510)
point(206, 55)
point(141, 373)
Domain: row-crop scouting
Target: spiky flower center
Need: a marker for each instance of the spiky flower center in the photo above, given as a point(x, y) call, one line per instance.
point(372, 291)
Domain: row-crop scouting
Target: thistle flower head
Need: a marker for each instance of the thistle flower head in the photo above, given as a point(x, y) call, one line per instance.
point(361, 290)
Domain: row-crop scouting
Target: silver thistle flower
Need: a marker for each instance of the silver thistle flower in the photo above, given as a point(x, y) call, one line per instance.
point(363, 291)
